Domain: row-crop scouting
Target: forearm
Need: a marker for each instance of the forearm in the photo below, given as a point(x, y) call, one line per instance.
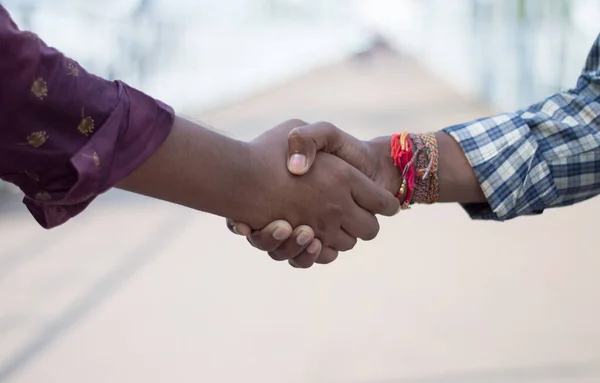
point(196, 168)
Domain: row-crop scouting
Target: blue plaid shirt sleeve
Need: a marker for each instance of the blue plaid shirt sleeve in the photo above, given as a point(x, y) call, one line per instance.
point(547, 155)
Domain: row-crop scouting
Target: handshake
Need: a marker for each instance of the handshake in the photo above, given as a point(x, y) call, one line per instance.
point(325, 200)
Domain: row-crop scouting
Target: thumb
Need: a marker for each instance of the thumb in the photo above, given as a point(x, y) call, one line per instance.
point(306, 141)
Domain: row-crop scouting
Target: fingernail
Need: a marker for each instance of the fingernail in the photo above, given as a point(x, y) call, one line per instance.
point(313, 248)
point(242, 230)
point(303, 238)
point(280, 234)
point(297, 163)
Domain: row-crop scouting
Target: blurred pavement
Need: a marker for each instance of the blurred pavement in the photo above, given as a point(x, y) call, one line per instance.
point(140, 291)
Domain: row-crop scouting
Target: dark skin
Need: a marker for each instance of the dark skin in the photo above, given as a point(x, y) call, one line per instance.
point(458, 182)
point(249, 182)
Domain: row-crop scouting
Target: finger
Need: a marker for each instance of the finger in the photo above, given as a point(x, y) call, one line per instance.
point(272, 236)
point(238, 227)
point(309, 256)
point(372, 197)
point(327, 255)
point(306, 141)
point(344, 241)
point(294, 245)
point(361, 224)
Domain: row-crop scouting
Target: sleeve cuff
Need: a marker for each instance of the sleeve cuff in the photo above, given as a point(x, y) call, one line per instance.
point(504, 156)
point(135, 129)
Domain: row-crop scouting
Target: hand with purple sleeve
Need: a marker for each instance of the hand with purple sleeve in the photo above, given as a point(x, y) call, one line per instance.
point(66, 136)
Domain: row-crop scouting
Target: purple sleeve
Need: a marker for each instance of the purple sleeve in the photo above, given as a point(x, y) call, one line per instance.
point(66, 135)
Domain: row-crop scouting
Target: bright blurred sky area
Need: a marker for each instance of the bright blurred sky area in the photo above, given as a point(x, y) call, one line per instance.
point(198, 54)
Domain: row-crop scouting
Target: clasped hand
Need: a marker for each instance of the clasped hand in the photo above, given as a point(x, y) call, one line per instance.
point(308, 214)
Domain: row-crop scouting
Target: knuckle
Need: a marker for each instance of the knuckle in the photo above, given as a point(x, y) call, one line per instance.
point(327, 257)
point(327, 127)
point(382, 203)
point(325, 260)
point(299, 141)
point(295, 122)
point(254, 242)
point(347, 245)
point(296, 136)
point(301, 263)
point(261, 243)
point(277, 256)
point(372, 231)
point(333, 135)
point(351, 244)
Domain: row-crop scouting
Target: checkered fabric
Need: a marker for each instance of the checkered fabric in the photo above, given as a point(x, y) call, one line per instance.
point(544, 156)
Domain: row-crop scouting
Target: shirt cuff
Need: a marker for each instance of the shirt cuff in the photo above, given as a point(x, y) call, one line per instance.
point(504, 155)
point(135, 129)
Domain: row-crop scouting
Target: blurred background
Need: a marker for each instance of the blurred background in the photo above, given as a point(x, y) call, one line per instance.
point(138, 290)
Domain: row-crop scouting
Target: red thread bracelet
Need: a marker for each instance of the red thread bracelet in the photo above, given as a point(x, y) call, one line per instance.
point(404, 158)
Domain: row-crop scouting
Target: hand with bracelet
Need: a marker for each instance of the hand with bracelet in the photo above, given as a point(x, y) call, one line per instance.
point(402, 172)
point(500, 167)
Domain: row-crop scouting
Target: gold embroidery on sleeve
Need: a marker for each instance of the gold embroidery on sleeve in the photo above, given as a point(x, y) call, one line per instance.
point(72, 69)
point(94, 157)
point(86, 126)
point(43, 196)
point(37, 139)
point(39, 88)
point(33, 176)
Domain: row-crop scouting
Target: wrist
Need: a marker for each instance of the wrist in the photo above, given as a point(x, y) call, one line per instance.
point(260, 193)
point(389, 176)
point(250, 181)
point(458, 182)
